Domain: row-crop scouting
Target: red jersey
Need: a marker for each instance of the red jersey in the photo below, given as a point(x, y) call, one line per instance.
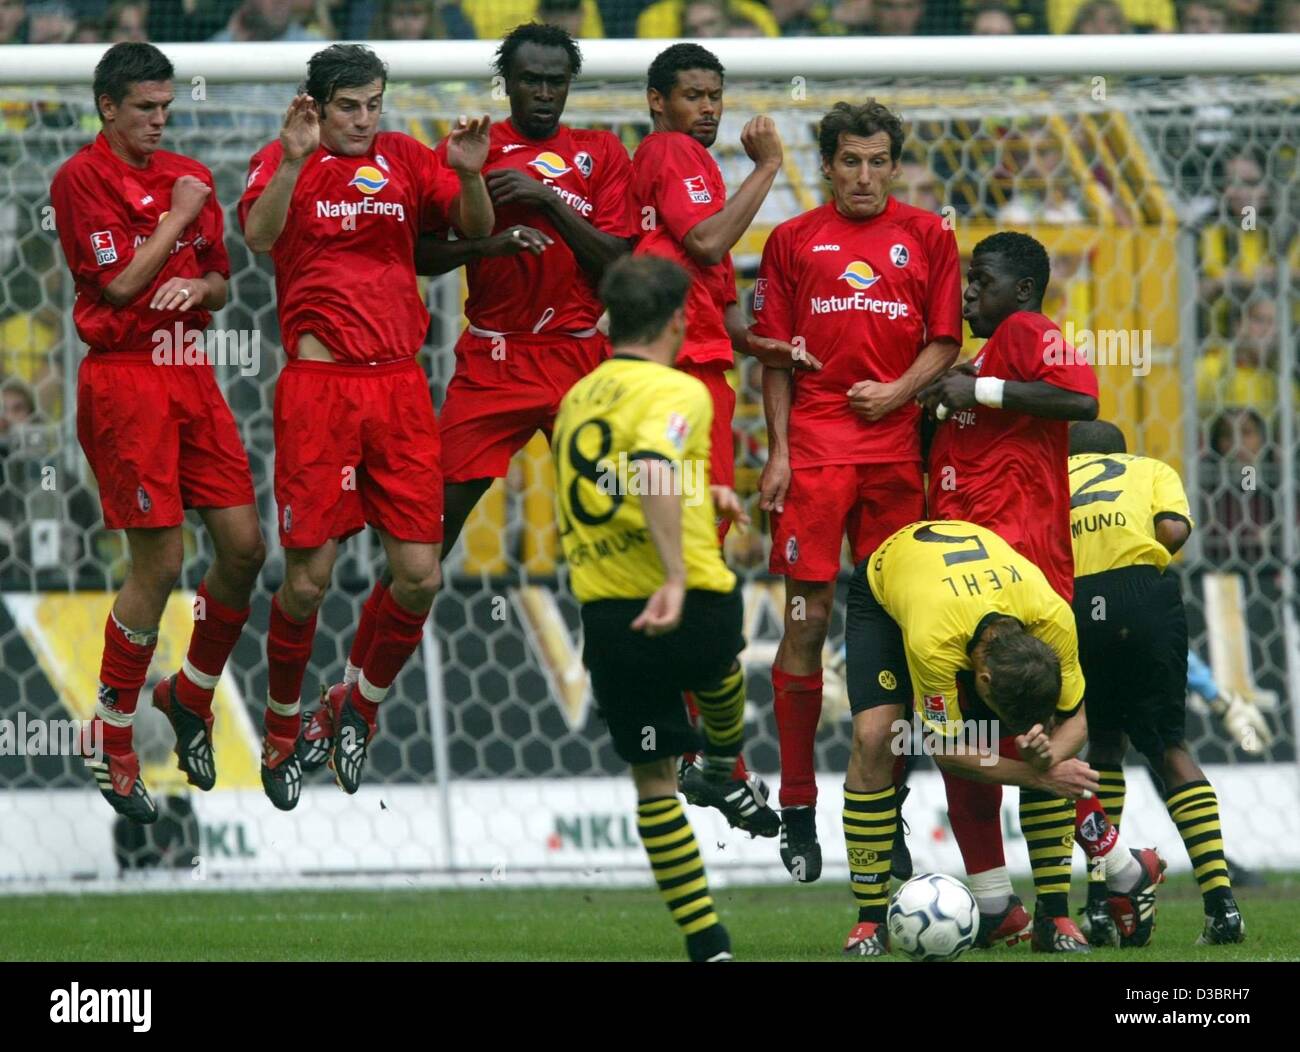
point(1008, 469)
point(866, 296)
point(676, 184)
point(590, 172)
point(345, 260)
point(105, 209)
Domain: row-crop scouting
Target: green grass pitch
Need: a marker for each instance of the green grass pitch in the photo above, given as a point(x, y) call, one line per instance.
point(785, 923)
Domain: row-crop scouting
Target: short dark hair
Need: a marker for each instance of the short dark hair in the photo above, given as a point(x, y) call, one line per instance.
point(867, 119)
point(641, 294)
point(125, 64)
point(1024, 255)
point(1025, 678)
point(662, 75)
point(342, 66)
point(1096, 436)
point(541, 35)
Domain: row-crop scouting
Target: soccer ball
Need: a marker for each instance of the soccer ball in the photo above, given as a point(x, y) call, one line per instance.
point(933, 918)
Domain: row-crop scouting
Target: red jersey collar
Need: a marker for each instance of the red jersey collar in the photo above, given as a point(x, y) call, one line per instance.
point(104, 149)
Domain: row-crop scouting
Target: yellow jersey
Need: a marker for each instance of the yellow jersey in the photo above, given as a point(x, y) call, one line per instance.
point(624, 412)
point(939, 581)
point(1116, 499)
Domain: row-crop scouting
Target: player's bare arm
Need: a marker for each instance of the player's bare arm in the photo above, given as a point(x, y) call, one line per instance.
point(437, 255)
point(189, 195)
point(1172, 532)
point(467, 150)
point(709, 241)
point(593, 249)
point(1069, 778)
point(872, 400)
point(727, 505)
point(1044, 747)
point(960, 390)
point(663, 515)
point(299, 139)
point(774, 354)
point(778, 391)
point(205, 293)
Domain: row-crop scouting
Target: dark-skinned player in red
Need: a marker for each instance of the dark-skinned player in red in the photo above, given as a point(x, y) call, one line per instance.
point(683, 214)
point(143, 235)
point(871, 286)
point(999, 459)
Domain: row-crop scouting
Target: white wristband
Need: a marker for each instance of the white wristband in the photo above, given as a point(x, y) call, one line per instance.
point(988, 391)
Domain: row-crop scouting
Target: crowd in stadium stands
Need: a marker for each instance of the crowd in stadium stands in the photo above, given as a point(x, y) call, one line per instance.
point(95, 21)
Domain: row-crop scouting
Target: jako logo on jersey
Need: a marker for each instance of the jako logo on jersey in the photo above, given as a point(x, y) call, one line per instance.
point(369, 179)
point(898, 255)
point(826, 248)
point(583, 162)
point(859, 275)
point(697, 189)
point(934, 708)
point(510, 147)
point(105, 251)
point(550, 164)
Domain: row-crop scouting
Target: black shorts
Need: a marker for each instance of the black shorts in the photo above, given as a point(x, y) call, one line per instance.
point(1133, 652)
point(638, 680)
point(875, 660)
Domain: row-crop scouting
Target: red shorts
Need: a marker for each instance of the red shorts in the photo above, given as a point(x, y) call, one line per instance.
point(159, 438)
point(722, 441)
point(867, 502)
point(356, 444)
point(506, 389)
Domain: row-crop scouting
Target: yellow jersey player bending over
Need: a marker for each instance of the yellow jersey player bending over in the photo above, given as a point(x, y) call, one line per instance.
point(661, 613)
point(949, 617)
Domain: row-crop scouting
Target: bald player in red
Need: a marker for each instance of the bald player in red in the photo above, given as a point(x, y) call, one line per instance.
point(142, 232)
point(871, 286)
point(339, 205)
point(999, 459)
point(683, 214)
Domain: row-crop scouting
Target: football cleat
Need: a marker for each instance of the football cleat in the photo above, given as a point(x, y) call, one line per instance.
point(316, 741)
point(119, 781)
point(867, 939)
point(1058, 935)
point(281, 772)
point(193, 735)
point(352, 734)
point(710, 946)
point(800, 852)
point(1097, 923)
point(1223, 926)
point(900, 861)
point(1007, 928)
point(742, 803)
point(1134, 912)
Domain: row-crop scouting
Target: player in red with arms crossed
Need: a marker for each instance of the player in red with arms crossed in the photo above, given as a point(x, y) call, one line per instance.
point(681, 206)
point(143, 235)
point(999, 459)
point(339, 204)
point(871, 286)
point(560, 196)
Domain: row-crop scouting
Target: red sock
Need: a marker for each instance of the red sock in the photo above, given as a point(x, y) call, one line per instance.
point(1093, 831)
point(122, 670)
point(288, 649)
point(975, 812)
point(365, 636)
point(797, 702)
point(216, 631)
point(397, 633)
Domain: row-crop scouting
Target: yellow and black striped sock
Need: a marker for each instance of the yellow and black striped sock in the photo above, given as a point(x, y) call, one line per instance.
point(722, 712)
point(870, 822)
point(1111, 794)
point(1048, 825)
point(675, 858)
point(1194, 807)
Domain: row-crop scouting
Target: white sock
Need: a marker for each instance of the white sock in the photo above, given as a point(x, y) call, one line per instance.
point(369, 691)
point(992, 889)
point(1123, 871)
point(351, 673)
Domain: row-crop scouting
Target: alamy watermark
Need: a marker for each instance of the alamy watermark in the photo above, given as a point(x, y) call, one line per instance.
point(38, 737)
point(1126, 347)
point(228, 347)
point(683, 478)
point(972, 738)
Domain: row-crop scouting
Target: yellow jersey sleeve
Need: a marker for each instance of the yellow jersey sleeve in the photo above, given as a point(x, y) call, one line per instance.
point(1057, 630)
point(1167, 494)
point(676, 427)
point(934, 681)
